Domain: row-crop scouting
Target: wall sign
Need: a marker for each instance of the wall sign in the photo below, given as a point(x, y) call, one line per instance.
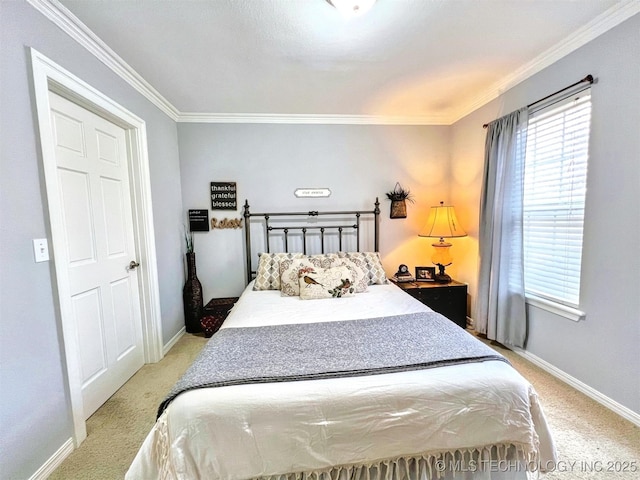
point(223, 196)
point(226, 223)
point(312, 192)
point(199, 220)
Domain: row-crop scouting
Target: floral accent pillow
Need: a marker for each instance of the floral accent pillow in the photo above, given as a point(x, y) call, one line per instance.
point(290, 272)
point(370, 262)
point(289, 280)
point(332, 282)
point(268, 272)
point(358, 273)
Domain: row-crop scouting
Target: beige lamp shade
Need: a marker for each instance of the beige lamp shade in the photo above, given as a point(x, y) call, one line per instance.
point(442, 223)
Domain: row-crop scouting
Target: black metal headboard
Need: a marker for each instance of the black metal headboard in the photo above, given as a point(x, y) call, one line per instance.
point(338, 229)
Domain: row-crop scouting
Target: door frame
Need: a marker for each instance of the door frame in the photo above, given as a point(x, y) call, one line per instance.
point(49, 76)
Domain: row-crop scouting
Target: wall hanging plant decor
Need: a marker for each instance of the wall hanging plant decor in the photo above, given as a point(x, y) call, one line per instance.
point(399, 197)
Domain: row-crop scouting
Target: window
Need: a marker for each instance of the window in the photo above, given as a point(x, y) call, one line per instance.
point(554, 197)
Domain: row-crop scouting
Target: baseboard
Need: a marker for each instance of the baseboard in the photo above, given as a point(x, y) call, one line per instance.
point(173, 341)
point(67, 447)
point(590, 392)
point(54, 462)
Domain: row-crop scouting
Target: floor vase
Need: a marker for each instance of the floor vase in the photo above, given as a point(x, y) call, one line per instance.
point(192, 297)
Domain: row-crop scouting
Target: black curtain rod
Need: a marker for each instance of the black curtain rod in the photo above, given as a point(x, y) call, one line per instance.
point(588, 78)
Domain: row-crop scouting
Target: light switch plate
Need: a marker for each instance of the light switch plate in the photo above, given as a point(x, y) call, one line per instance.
point(41, 249)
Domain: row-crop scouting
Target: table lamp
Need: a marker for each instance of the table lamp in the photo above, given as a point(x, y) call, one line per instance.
point(442, 223)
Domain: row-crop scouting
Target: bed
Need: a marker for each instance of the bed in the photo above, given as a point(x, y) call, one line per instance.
point(346, 386)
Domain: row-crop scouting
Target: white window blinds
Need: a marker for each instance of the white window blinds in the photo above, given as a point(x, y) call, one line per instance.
point(554, 198)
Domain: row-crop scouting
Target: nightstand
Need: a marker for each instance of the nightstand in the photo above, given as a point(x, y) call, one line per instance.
point(449, 299)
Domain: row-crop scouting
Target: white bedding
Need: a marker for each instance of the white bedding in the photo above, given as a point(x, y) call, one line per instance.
point(268, 307)
point(312, 426)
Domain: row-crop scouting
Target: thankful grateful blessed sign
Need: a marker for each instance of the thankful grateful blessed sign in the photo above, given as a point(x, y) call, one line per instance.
point(223, 196)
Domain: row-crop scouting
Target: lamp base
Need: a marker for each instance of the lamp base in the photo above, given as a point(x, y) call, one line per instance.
point(442, 277)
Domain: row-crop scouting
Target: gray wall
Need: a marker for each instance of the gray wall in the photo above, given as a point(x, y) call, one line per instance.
point(34, 407)
point(601, 351)
point(268, 162)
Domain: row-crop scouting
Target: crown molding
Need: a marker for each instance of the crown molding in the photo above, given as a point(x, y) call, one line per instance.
point(599, 25)
point(311, 119)
point(72, 26)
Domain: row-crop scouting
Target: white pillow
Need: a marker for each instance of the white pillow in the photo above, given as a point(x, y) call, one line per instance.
point(332, 282)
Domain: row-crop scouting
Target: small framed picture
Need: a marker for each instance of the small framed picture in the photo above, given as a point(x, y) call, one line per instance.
point(425, 274)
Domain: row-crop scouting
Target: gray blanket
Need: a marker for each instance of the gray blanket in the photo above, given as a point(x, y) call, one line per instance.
point(284, 353)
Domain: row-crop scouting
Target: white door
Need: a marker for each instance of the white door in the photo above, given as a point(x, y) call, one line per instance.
point(94, 194)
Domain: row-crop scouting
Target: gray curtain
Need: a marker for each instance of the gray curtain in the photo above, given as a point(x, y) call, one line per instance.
point(500, 307)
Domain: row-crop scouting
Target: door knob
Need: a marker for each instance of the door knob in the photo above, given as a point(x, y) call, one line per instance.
point(133, 265)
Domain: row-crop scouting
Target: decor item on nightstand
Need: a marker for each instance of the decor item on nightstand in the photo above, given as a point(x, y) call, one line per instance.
point(403, 274)
point(192, 291)
point(442, 223)
point(425, 274)
point(399, 197)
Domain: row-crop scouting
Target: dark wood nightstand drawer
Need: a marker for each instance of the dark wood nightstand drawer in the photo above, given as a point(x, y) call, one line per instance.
point(449, 299)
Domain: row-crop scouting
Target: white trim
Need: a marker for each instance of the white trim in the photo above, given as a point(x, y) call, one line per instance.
point(582, 387)
point(48, 76)
point(146, 245)
point(556, 308)
point(72, 26)
point(599, 25)
point(54, 461)
point(590, 392)
point(295, 118)
point(174, 340)
point(78, 31)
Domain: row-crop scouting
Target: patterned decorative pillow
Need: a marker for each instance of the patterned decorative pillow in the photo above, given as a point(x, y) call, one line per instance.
point(268, 272)
point(370, 262)
point(326, 283)
point(324, 257)
point(290, 270)
point(358, 272)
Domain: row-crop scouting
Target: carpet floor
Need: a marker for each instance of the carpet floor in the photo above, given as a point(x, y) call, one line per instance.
point(592, 442)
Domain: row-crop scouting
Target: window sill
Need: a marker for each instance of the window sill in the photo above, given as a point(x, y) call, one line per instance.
point(556, 308)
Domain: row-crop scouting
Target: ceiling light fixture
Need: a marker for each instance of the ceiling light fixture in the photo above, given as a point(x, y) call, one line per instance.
point(352, 8)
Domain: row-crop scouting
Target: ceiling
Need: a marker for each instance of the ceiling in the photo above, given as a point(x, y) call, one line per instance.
point(432, 61)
